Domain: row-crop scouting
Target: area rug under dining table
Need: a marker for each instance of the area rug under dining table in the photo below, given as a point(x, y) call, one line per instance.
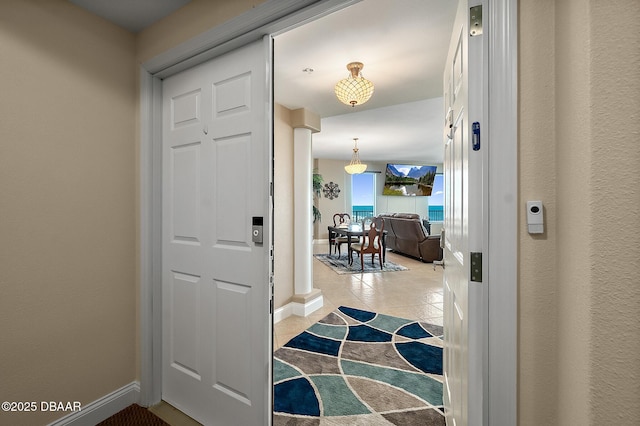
point(356, 367)
point(340, 264)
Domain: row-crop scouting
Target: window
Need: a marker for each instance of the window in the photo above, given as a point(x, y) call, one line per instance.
point(363, 195)
point(436, 200)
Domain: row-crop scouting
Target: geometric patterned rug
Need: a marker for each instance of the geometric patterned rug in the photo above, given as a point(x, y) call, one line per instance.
point(341, 264)
point(357, 367)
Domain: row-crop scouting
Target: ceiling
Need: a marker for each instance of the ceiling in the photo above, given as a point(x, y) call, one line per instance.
point(403, 45)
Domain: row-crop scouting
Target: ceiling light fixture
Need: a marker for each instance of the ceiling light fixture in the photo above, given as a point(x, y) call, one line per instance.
point(355, 167)
point(355, 89)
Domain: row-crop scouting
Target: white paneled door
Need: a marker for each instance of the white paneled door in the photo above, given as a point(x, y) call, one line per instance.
point(464, 313)
point(216, 288)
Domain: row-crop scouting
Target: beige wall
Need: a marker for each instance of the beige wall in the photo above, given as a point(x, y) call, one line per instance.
point(579, 102)
point(537, 307)
point(331, 171)
point(283, 243)
point(67, 206)
point(574, 152)
point(187, 22)
point(615, 219)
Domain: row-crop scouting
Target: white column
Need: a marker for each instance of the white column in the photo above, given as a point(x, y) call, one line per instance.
point(303, 217)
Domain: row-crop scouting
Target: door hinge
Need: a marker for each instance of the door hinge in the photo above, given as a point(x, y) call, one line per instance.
point(273, 262)
point(475, 21)
point(476, 267)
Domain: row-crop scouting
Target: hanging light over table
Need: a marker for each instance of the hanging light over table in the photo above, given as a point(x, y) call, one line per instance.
point(355, 89)
point(355, 166)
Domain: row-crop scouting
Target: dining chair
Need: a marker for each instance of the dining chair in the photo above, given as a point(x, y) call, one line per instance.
point(366, 221)
point(371, 242)
point(338, 240)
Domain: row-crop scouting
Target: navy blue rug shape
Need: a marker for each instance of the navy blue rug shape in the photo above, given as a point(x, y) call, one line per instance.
point(356, 367)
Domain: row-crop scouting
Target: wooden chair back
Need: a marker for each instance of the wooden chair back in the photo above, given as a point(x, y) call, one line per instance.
point(372, 237)
point(342, 218)
point(371, 242)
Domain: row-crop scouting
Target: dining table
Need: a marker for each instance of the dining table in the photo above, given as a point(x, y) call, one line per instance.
point(351, 230)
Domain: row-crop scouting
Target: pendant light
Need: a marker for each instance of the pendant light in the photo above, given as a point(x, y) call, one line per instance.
point(355, 89)
point(355, 167)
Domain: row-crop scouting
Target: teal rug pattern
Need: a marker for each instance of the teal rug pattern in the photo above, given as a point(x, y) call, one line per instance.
point(341, 264)
point(356, 367)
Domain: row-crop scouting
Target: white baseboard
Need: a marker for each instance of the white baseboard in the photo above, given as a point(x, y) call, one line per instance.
point(298, 309)
point(304, 309)
point(281, 313)
point(103, 408)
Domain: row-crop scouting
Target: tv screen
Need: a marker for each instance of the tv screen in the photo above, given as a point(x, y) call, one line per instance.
point(408, 180)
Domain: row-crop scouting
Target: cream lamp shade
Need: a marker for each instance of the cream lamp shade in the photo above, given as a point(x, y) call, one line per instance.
point(355, 166)
point(355, 89)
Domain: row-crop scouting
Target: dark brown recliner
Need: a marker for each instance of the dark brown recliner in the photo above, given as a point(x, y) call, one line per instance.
point(406, 234)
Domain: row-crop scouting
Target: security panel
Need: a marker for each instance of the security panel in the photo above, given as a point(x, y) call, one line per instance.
point(256, 229)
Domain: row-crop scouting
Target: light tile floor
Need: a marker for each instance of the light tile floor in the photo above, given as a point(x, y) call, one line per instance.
point(413, 294)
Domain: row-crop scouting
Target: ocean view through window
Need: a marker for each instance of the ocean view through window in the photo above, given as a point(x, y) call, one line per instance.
point(436, 199)
point(363, 196)
point(360, 212)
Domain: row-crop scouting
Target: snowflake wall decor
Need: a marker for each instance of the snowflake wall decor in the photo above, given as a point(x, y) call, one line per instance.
point(331, 190)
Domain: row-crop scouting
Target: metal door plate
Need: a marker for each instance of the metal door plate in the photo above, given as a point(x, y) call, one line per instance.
point(475, 21)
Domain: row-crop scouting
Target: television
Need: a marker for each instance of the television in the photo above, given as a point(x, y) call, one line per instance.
point(412, 180)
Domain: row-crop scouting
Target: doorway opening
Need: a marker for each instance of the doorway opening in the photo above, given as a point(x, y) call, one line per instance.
point(384, 126)
point(401, 123)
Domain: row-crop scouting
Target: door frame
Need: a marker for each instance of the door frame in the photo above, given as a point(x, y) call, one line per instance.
point(272, 17)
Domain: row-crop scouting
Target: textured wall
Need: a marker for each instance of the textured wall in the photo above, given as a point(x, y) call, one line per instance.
point(614, 65)
point(579, 301)
point(67, 206)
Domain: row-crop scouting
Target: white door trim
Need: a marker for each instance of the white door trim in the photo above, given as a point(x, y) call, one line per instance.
point(272, 17)
point(502, 19)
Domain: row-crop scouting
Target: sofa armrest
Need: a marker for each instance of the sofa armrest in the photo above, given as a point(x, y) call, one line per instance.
point(430, 249)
